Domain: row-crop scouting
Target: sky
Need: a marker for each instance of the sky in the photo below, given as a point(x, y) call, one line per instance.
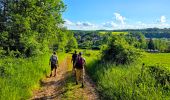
point(116, 14)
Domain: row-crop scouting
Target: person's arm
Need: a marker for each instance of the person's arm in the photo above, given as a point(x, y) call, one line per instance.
point(75, 63)
point(84, 64)
point(57, 61)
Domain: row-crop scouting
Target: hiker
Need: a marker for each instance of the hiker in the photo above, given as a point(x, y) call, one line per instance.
point(73, 60)
point(74, 57)
point(54, 63)
point(79, 67)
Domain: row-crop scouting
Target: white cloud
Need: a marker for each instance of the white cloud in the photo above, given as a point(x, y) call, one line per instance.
point(109, 24)
point(78, 24)
point(113, 25)
point(85, 24)
point(68, 22)
point(119, 18)
point(163, 19)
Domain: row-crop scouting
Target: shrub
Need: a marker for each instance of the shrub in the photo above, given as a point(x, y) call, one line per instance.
point(120, 52)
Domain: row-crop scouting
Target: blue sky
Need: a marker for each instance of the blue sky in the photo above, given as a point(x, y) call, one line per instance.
point(116, 14)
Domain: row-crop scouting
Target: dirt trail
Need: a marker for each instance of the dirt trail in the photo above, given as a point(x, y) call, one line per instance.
point(63, 86)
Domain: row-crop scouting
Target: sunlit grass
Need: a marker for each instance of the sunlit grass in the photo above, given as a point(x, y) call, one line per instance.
point(21, 76)
point(115, 33)
point(162, 59)
point(118, 33)
point(125, 81)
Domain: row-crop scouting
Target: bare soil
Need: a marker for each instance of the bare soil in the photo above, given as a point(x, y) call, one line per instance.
point(63, 86)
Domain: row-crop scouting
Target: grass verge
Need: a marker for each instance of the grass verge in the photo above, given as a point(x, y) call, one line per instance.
point(132, 81)
point(18, 76)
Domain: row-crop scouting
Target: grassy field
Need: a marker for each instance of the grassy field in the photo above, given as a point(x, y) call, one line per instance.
point(162, 59)
point(18, 76)
point(115, 33)
point(130, 82)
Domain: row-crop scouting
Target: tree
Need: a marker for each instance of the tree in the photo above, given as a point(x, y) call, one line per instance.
point(120, 52)
point(72, 44)
point(161, 45)
point(29, 25)
point(142, 41)
point(151, 45)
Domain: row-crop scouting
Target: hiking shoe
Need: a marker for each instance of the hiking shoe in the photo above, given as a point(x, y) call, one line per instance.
point(76, 83)
point(82, 86)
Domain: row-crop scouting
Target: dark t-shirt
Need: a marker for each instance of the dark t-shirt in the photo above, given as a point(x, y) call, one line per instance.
point(80, 61)
point(74, 57)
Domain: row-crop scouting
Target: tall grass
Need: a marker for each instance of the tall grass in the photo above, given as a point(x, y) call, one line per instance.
point(129, 81)
point(18, 76)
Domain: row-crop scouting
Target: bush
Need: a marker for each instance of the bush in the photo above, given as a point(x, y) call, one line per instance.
point(120, 52)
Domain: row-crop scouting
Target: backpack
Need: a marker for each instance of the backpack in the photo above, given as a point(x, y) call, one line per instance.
point(53, 59)
point(79, 63)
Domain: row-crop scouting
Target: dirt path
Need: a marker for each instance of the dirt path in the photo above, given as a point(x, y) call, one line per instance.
point(63, 86)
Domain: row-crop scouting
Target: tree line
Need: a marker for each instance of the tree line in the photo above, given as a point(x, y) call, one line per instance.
point(31, 27)
point(97, 40)
point(148, 32)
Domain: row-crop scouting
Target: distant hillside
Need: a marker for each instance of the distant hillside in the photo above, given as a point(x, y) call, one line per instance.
point(149, 32)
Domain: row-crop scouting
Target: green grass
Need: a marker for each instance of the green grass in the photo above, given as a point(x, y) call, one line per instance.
point(115, 33)
point(162, 59)
point(19, 77)
point(129, 81)
point(118, 33)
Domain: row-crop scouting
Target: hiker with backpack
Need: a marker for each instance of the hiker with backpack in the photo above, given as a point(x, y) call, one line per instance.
point(74, 57)
point(54, 63)
point(73, 60)
point(79, 67)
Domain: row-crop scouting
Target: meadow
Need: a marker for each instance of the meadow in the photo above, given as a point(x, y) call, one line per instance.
point(131, 81)
point(115, 33)
point(19, 77)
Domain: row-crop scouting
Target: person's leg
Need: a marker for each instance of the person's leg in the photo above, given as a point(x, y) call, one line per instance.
point(77, 75)
point(82, 77)
point(55, 71)
point(51, 70)
point(73, 71)
point(55, 67)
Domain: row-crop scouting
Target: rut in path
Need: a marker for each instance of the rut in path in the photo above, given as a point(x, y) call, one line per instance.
point(63, 86)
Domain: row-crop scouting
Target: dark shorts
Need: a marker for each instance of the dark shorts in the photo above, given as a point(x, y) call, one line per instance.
point(53, 66)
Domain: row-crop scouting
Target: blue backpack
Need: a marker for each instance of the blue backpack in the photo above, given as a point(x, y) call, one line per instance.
point(53, 59)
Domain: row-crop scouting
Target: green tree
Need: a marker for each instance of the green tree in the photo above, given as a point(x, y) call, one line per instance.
point(142, 41)
point(161, 45)
point(72, 44)
point(137, 40)
point(151, 45)
point(29, 25)
point(120, 52)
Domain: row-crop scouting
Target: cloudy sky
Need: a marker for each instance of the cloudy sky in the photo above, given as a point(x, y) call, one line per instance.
point(116, 14)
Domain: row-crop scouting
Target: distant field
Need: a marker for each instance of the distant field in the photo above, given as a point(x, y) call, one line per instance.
point(162, 59)
point(149, 59)
point(114, 33)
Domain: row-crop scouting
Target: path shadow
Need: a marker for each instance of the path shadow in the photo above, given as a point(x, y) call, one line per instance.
point(60, 86)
